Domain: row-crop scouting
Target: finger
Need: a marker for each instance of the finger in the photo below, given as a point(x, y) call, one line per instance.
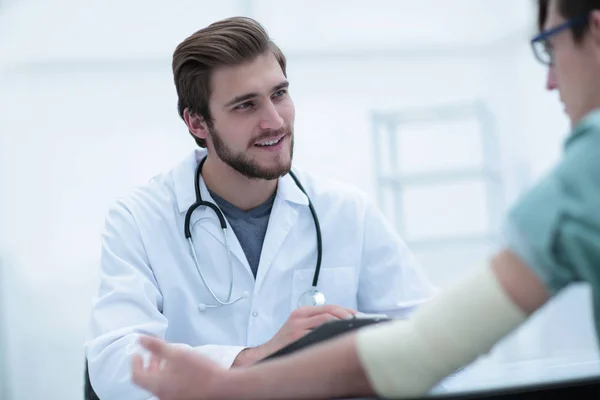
point(348, 310)
point(140, 376)
point(156, 346)
point(155, 364)
point(318, 320)
point(310, 311)
point(341, 312)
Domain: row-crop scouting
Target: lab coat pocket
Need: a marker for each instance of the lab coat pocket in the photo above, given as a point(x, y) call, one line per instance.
point(338, 284)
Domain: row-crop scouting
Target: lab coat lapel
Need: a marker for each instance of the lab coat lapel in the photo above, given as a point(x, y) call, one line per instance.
point(203, 220)
point(283, 217)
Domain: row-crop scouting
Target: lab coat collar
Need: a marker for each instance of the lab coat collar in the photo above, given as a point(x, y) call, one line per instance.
point(183, 181)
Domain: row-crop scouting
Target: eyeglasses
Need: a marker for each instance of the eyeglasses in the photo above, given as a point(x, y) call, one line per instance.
point(542, 48)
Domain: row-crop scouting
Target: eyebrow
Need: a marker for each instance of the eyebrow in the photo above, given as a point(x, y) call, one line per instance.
point(248, 96)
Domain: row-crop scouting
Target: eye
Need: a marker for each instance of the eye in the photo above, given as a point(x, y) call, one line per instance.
point(280, 93)
point(244, 105)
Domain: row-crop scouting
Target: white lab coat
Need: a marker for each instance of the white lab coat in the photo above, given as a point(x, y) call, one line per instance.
point(149, 283)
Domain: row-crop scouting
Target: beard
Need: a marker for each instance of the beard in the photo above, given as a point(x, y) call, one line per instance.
point(245, 165)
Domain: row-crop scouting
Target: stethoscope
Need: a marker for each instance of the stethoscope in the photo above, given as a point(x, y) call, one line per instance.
point(312, 297)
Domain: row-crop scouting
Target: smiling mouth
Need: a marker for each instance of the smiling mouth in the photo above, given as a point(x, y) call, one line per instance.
point(270, 142)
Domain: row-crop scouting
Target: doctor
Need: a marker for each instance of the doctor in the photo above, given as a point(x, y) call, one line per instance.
point(233, 252)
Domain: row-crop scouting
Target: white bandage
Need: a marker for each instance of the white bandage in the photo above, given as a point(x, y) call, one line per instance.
point(408, 358)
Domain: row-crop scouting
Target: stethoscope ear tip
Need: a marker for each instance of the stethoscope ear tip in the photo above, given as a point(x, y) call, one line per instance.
point(245, 295)
point(201, 307)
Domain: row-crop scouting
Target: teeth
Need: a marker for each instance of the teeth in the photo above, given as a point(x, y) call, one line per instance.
point(269, 143)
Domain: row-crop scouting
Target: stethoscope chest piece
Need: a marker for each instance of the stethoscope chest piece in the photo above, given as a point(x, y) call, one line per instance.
point(312, 297)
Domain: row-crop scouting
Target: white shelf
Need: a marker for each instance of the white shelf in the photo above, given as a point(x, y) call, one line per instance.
point(432, 178)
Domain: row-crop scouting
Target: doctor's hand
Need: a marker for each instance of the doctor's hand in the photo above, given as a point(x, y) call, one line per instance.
point(175, 372)
point(300, 322)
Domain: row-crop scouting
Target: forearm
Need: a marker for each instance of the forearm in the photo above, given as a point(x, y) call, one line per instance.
point(324, 371)
point(225, 356)
point(248, 356)
point(408, 358)
point(405, 358)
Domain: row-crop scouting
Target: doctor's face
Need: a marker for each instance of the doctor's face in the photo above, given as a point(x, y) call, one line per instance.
point(252, 118)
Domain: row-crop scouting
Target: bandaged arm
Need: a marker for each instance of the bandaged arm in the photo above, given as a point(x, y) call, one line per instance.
point(404, 358)
point(408, 358)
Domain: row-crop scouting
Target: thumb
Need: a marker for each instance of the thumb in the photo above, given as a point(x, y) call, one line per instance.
point(140, 376)
point(156, 346)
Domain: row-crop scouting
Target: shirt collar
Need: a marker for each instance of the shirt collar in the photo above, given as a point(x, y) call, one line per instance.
point(590, 123)
point(184, 175)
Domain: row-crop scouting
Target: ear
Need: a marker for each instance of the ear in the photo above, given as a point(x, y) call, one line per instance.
point(594, 23)
point(196, 124)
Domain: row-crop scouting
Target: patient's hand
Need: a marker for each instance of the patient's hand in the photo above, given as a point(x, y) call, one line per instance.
point(176, 372)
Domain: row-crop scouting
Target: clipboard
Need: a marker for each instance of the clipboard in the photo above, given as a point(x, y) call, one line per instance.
point(327, 331)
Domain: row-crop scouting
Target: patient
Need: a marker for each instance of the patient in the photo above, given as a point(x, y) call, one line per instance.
point(552, 240)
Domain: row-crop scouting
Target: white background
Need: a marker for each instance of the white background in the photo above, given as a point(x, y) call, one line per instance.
point(88, 109)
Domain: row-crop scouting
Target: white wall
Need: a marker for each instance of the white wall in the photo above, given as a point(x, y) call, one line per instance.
point(89, 110)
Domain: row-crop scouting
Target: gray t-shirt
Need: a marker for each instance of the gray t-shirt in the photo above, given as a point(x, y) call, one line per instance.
point(249, 226)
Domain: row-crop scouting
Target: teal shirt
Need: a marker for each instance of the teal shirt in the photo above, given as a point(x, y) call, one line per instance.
point(555, 226)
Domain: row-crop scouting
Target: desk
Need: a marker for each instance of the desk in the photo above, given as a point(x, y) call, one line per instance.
point(488, 375)
point(578, 371)
point(575, 375)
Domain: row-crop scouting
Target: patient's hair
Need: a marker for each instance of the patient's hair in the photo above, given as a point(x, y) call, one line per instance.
point(569, 9)
point(229, 42)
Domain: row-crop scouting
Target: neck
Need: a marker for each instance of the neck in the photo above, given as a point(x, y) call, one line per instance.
point(243, 192)
point(593, 104)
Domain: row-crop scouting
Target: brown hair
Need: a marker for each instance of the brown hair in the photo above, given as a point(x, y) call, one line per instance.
point(569, 9)
point(228, 42)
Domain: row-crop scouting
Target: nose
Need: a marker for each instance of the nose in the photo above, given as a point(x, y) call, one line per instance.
point(551, 79)
point(270, 118)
